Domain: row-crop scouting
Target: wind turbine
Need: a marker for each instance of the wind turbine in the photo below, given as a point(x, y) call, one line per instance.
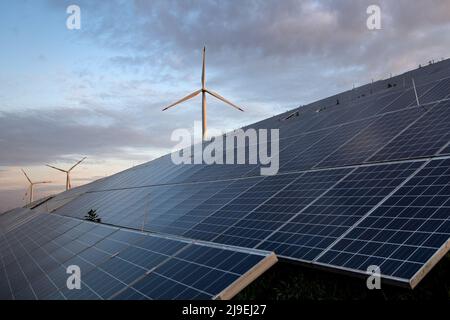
point(67, 172)
point(32, 184)
point(203, 91)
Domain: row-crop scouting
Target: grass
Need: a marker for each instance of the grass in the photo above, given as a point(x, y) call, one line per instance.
point(292, 282)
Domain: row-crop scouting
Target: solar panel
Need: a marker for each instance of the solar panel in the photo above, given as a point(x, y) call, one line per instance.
point(296, 145)
point(404, 235)
point(316, 226)
point(408, 98)
point(372, 138)
point(424, 138)
point(353, 112)
point(115, 263)
point(250, 229)
point(427, 92)
point(203, 209)
point(383, 103)
point(161, 217)
point(299, 143)
point(198, 272)
point(227, 215)
point(189, 212)
point(315, 153)
point(112, 206)
point(438, 92)
point(13, 218)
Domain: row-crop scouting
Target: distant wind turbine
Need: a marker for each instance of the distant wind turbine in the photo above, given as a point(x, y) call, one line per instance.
point(204, 91)
point(67, 172)
point(31, 187)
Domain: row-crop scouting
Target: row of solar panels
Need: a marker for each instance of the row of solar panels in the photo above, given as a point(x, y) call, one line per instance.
point(393, 214)
point(368, 99)
point(118, 264)
point(252, 212)
point(409, 133)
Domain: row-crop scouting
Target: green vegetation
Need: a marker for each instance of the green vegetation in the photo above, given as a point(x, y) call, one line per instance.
point(293, 282)
point(92, 216)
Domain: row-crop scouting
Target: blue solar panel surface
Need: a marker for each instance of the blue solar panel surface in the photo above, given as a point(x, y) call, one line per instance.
point(114, 263)
point(402, 233)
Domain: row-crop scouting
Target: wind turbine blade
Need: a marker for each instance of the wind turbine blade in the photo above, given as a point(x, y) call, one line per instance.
point(217, 96)
point(41, 182)
point(203, 68)
point(26, 176)
point(190, 96)
point(77, 164)
point(62, 170)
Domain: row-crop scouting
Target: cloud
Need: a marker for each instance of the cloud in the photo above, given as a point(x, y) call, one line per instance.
point(288, 53)
point(265, 55)
point(104, 93)
point(139, 132)
point(267, 28)
point(34, 136)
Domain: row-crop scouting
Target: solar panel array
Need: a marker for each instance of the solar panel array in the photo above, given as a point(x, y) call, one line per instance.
point(117, 263)
point(363, 180)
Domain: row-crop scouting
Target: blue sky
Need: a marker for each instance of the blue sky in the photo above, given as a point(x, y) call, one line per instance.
point(98, 91)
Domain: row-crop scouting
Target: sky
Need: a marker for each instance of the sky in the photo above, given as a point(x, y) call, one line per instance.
point(98, 91)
